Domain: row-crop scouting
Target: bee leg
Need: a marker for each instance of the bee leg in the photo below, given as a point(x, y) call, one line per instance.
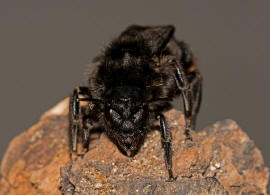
point(167, 145)
point(74, 123)
point(87, 126)
point(184, 86)
point(196, 91)
point(76, 128)
point(192, 82)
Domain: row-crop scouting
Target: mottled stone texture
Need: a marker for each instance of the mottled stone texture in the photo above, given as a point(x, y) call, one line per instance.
point(221, 160)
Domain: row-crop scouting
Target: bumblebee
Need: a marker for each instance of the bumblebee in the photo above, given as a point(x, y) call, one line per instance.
point(131, 84)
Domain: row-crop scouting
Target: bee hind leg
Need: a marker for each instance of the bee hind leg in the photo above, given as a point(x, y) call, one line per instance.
point(189, 82)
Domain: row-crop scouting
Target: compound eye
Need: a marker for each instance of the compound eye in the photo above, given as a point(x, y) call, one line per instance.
point(115, 116)
point(138, 115)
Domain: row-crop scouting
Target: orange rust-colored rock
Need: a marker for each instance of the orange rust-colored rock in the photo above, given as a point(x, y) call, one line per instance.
point(32, 161)
point(221, 160)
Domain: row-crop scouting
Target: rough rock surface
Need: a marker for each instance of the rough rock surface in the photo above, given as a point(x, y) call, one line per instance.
point(221, 160)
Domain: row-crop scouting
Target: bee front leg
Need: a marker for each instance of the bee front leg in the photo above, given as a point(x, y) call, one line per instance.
point(167, 145)
point(77, 120)
point(74, 122)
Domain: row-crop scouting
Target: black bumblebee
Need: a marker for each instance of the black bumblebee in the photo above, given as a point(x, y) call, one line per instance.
point(131, 84)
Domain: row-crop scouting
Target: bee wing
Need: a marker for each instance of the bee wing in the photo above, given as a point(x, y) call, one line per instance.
point(156, 37)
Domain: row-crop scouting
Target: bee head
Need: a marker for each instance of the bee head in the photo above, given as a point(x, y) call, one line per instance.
point(126, 117)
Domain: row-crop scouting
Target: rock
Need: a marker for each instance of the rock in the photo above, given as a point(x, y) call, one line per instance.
point(221, 160)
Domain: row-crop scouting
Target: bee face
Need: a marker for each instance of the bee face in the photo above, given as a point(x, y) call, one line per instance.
point(126, 117)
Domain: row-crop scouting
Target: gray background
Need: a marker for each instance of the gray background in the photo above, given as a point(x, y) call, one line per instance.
point(46, 45)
